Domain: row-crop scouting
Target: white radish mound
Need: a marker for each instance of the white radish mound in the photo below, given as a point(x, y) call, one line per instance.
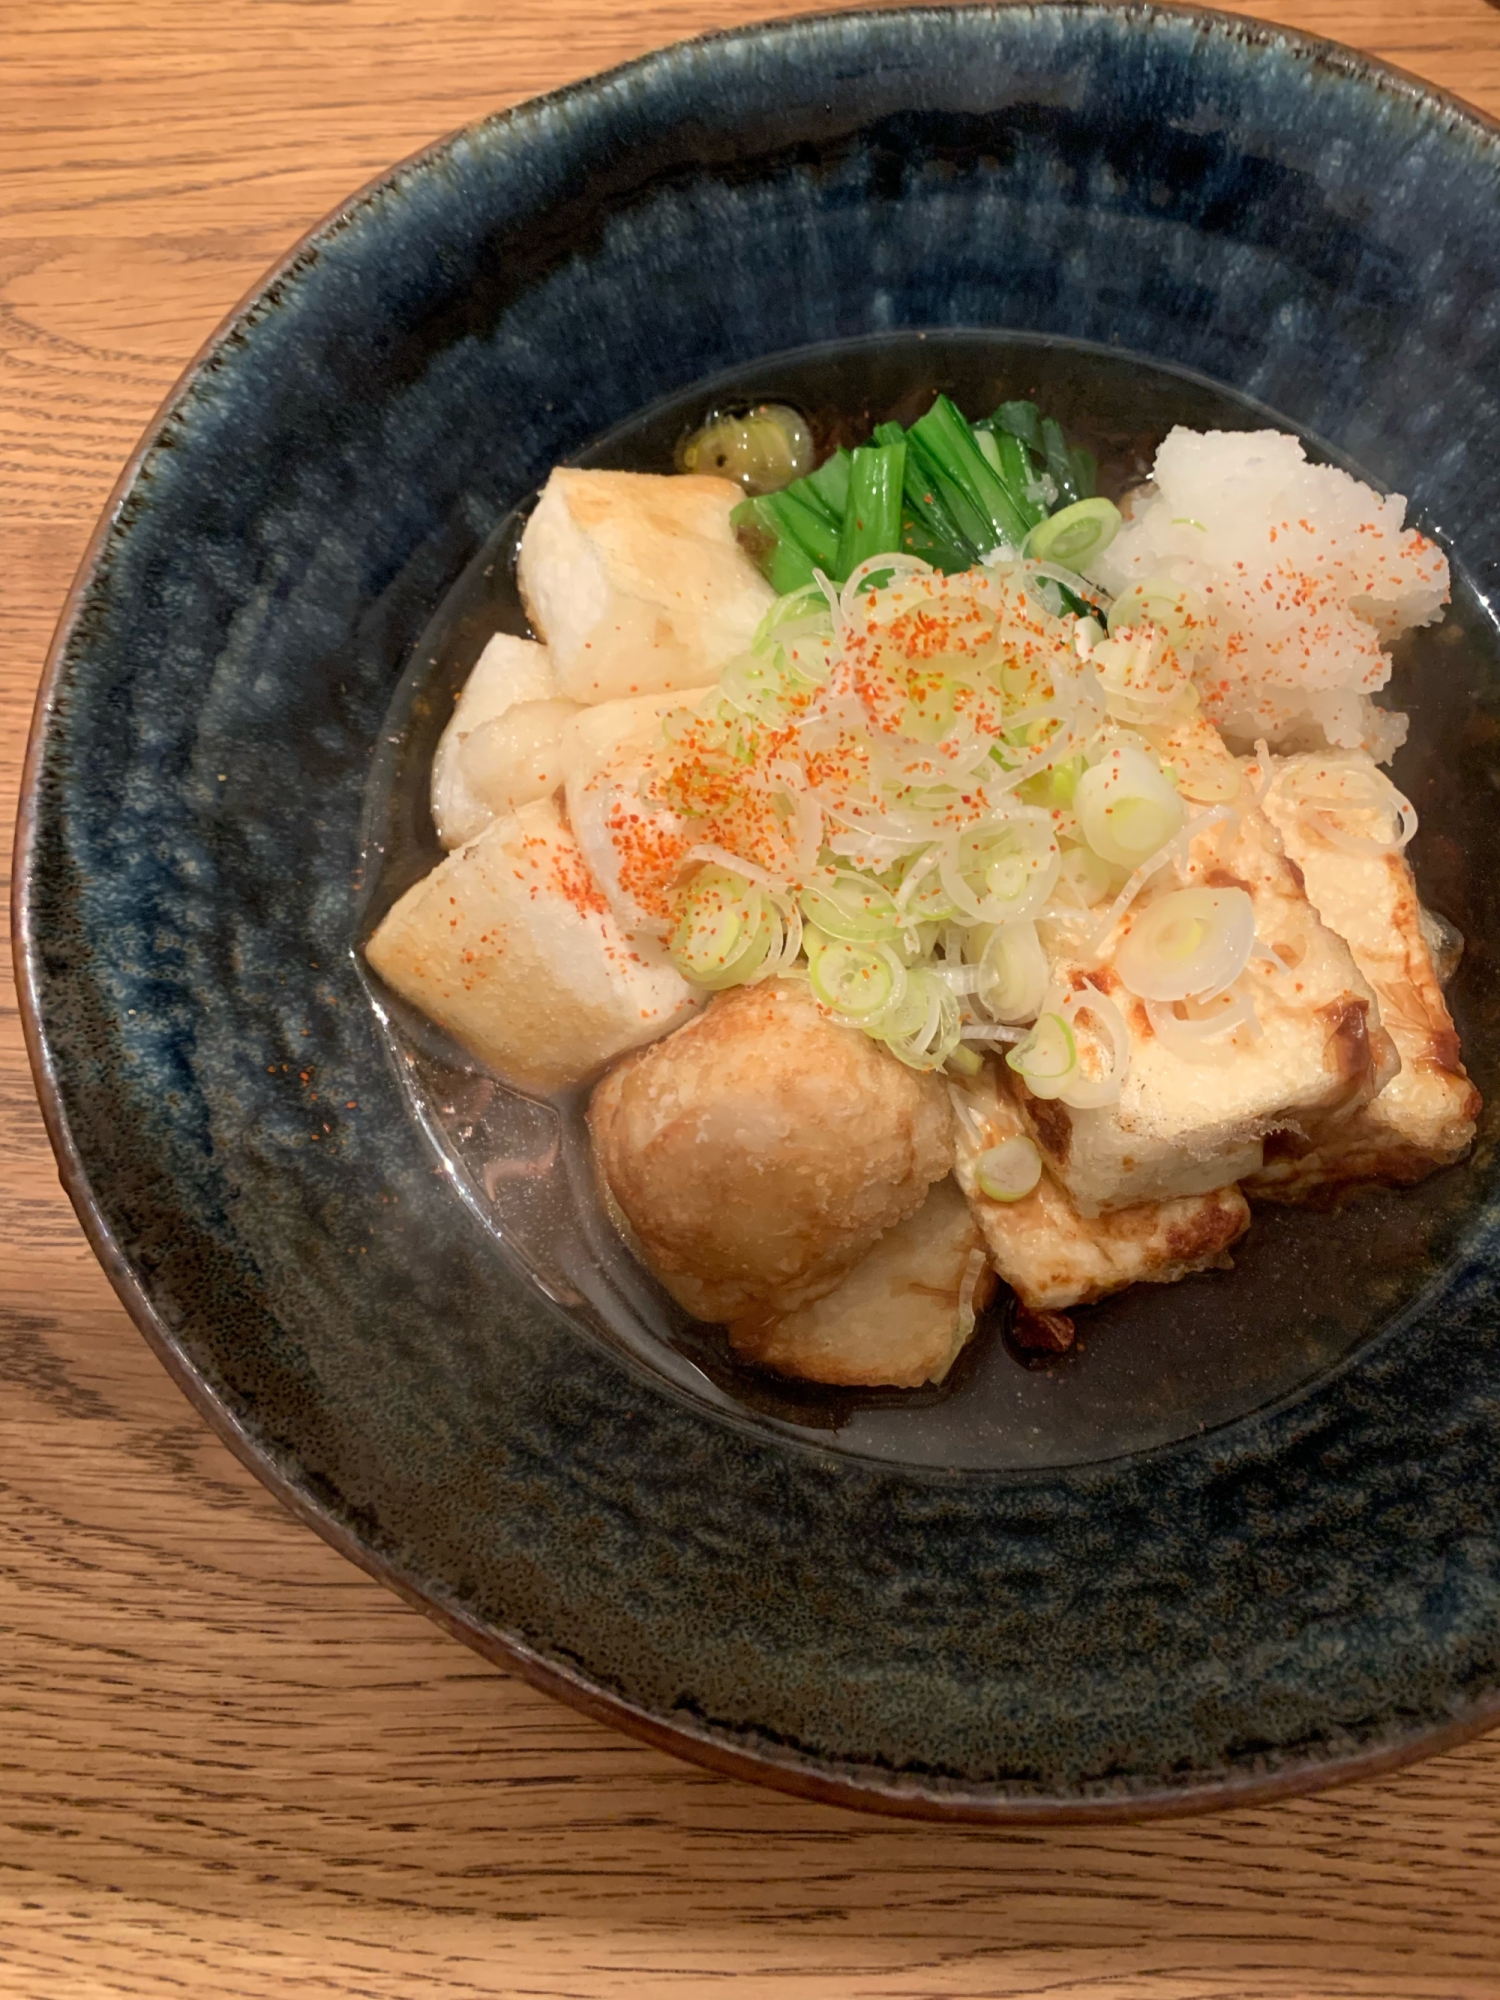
point(1304, 576)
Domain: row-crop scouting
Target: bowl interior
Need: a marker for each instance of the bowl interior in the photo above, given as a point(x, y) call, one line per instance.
point(1154, 1363)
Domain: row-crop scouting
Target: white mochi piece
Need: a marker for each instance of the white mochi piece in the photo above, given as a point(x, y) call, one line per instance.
point(604, 754)
point(637, 583)
point(499, 751)
point(510, 946)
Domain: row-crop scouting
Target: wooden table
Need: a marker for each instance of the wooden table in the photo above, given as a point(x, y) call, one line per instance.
point(231, 1764)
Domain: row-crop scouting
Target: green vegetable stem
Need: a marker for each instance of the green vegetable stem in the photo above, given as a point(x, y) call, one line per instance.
point(945, 491)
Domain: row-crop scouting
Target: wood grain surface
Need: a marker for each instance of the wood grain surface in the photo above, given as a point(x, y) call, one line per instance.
point(229, 1763)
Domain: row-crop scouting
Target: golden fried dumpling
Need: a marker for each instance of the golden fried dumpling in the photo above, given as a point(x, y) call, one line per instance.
point(899, 1319)
point(760, 1151)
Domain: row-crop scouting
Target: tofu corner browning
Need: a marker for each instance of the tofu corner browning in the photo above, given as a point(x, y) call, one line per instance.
point(1054, 1258)
point(1425, 1116)
point(760, 1151)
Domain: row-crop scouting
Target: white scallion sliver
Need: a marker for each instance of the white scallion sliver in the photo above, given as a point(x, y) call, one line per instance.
point(1010, 1171)
point(1189, 942)
point(1080, 1090)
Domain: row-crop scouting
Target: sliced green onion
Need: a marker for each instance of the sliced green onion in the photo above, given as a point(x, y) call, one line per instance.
point(1142, 679)
point(1075, 535)
point(1126, 808)
point(790, 654)
point(760, 686)
point(925, 1026)
point(966, 1061)
point(806, 606)
point(1000, 875)
point(1158, 601)
point(926, 901)
point(1047, 1057)
point(725, 930)
point(1009, 1171)
point(930, 708)
point(1084, 878)
point(860, 982)
point(1016, 971)
point(1352, 805)
point(1193, 941)
point(913, 1011)
point(872, 517)
point(1084, 1091)
point(1053, 788)
point(853, 908)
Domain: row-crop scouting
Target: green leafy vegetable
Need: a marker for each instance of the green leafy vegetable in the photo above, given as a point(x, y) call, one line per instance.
point(872, 516)
point(945, 491)
point(952, 452)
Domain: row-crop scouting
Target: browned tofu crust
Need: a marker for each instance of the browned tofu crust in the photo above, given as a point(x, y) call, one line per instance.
point(1181, 1129)
point(1054, 1258)
point(1424, 1117)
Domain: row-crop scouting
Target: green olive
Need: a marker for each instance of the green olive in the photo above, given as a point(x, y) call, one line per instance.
point(762, 449)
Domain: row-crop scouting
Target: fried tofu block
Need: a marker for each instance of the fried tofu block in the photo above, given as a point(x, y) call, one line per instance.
point(898, 1320)
point(636, 581)
point(502, 748)
point(1050, 1256)
point(760, 1151)
point(1424, 1117)
point(509, 945)
point(1184, 1127)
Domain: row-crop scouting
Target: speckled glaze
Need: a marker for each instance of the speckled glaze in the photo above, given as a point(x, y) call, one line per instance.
point(1305, 1593)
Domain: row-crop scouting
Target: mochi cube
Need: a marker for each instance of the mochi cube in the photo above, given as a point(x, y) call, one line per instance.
point(510, 946)
point(636, 582)
point(500, 750)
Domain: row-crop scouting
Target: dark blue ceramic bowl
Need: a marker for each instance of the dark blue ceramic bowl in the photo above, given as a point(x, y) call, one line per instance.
point(1257, 1570)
